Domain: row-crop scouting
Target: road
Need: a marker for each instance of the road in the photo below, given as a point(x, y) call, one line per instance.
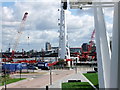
point(42, 78)
point(39, 82)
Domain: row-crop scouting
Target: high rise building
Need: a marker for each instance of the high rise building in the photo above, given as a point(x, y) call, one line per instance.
point(47, 46)
point(85, 47)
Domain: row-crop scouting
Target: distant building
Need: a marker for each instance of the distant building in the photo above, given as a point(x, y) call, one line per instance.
point(93, 49)
point(75, 50)
point(55, 49)
point(85, 47)
point(47, 46)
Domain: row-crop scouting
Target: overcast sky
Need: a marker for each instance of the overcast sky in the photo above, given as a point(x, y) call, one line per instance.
point(42, 24)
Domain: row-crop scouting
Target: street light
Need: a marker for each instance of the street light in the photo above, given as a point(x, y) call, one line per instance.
point(20, 71)
point(4, 74)
point(76, 65)
point(5, 77)
point(50, 74)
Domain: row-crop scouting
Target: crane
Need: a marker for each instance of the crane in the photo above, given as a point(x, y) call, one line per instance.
point(91, 41)
point(85, 54)
point(19, 33)
point(91, 45)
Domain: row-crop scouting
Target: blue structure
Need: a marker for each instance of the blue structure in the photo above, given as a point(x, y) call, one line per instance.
point(13, 67)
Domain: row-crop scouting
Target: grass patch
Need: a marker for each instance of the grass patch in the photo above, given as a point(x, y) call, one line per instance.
point(11, 80)
point(76, 86)
point(93, 78)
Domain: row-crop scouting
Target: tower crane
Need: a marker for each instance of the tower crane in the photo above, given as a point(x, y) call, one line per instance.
point(19, 33)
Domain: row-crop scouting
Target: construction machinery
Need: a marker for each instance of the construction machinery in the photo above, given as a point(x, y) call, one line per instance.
point(91, 41)
point(88, 50)
point(17, 39)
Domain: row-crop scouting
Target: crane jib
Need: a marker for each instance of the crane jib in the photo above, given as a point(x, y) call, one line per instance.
point(25, 16)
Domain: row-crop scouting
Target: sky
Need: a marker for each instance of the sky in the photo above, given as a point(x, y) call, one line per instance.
point(42, 24)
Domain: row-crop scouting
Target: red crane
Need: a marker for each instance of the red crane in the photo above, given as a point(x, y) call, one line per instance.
point(19, 33)
point(85, 55)
point(91, 41)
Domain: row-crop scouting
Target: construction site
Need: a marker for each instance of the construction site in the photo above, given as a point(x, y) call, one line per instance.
point(61, 66)
point(85, 54)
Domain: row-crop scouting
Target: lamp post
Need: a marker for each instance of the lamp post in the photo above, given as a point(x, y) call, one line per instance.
point(20, 69)
point(5, 77)
point(76, 65)
point(20, 72)
point(50, 74)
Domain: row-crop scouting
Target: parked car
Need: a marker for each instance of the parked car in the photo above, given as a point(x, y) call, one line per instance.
point(43, 65)
point(32, 67)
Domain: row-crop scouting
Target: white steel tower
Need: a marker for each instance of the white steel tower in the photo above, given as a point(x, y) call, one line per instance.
point(64, 52)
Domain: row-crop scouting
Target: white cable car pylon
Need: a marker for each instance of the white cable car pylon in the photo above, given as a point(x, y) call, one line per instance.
point(108, 63)
point(64, 52)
